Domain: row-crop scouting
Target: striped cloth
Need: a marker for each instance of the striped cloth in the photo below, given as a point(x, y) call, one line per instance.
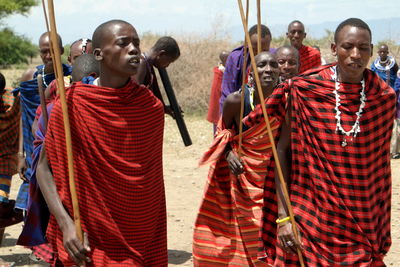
point(309, 58)
point(340, 195)
point(9, 133)
point(228, 226)
point(117, 144)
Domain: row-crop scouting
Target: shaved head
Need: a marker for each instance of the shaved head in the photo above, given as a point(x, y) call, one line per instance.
point(45, 37)
point(102, 30)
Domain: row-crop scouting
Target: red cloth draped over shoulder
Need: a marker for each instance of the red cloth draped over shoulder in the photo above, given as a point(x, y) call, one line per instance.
point(10, 115)
point(215, 94)
point(117, 139)
point(309, 58)
point(340, 195)
point(229, 224)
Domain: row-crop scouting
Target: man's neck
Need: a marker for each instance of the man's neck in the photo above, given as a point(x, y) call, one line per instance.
point(266, 93)
point(344, 78)
point(112, 81)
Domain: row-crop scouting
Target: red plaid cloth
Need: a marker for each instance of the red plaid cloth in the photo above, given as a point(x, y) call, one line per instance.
point(213, 114)
point(228, 228)
point(117, 139)
point(9, 132)
point(340, 195)
point(309, 58)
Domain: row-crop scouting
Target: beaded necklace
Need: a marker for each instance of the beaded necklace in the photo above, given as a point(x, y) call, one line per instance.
point(356, 126)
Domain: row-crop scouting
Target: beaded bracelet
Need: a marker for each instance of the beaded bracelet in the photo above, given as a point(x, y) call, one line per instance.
point(278, 221)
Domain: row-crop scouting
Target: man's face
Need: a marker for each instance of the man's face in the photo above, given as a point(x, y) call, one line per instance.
point(45, 55)
point(77, 50)
point(353, 50)
point(268, 70)
point(265, 43)
point(288, 63)
point(296, 34)
point(383, 52)
point(120, 51)
point(163, 61)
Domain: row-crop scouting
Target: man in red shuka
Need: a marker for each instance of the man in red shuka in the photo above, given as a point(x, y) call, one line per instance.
point(117, 134)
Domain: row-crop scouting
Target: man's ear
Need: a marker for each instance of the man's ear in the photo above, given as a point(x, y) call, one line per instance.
point(98, 54)
point(69, 59)
point(305, 35)
point(372, 50)
point(287, 34)
point(161, 53)
point(334, 49)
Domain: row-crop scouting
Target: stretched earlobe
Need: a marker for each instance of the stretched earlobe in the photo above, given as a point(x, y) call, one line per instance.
point(98, 54)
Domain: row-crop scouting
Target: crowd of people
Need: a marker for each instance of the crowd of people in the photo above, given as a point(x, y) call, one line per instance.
point(332, 124)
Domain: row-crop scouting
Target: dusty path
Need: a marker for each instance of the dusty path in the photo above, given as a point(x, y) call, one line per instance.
point(184, 186)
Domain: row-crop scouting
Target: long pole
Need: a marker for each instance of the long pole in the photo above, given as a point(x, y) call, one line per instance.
point(60, 83)
point(42, 99)
point(259, 27)
point(244, 72)
point(271, 137)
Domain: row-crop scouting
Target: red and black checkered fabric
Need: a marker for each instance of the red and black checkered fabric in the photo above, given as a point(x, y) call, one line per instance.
point(340, 195)
point(9, 132)
point(117, 139)
point(309, 58)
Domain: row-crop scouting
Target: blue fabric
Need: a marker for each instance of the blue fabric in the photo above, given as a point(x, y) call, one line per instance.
point(30, 100)
point(88, 80)
point(38, 214)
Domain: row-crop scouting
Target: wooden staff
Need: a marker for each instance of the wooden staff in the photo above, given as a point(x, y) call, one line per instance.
point(271, 137)
point(42, 99)
point(244, 72)
point(259, 27)
point(60, 83)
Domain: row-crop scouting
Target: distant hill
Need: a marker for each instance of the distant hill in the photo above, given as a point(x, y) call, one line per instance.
point(382, 29)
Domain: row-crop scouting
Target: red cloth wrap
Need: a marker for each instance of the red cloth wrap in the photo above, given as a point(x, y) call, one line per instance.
point(117, 139)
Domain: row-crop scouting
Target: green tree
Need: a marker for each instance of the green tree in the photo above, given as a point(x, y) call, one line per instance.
point(15, 49)
point(11, 7)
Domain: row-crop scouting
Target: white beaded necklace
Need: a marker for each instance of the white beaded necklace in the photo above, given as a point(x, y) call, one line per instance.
point(356, 127)
point(44, 76)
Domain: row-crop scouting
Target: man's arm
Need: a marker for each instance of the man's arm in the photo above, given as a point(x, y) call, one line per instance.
point(142, 71)
point(27, 75)
point(21, 157)
point(285, 231)
point(72, 244)
point(230, 116)
point(227, 80)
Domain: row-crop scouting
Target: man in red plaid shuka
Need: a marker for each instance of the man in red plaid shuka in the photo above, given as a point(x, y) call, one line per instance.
point(339, 177)
point(117, 134)
point(309, 56)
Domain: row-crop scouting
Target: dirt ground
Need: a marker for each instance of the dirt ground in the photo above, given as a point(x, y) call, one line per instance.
point(184, 183)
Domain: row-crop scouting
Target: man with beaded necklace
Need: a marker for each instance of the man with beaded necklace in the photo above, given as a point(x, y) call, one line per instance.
point(385, 66)
point(30, 100)
point(335, 155)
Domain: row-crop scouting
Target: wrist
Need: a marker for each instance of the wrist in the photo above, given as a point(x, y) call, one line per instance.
point(20, 154)
point(227, 153)
point(65, 222)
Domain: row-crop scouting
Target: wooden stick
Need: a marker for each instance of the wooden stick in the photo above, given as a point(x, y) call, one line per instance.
point(271, 137)
point(42, 100)
point(244, 72)
point(259, 28)
point(60, 82)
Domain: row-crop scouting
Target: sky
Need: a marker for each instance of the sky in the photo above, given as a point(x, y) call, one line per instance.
point(78, 18)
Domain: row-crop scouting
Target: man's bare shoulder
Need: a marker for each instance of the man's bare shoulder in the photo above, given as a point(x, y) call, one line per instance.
point(28, 75)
